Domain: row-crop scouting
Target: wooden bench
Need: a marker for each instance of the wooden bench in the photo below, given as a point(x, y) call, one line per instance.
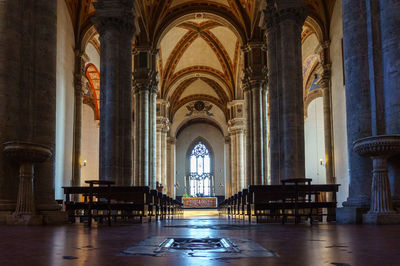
point(281, 201)
point(109, 202)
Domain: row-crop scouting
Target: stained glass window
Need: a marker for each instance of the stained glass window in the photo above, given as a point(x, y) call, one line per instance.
point(200, 171)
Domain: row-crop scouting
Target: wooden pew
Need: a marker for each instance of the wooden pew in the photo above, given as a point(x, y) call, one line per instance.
point(115, 201)
point(279, 201)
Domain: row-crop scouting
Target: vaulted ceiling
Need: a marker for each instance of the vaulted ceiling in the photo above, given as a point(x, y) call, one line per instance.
point(198, 59)
point(199, 42)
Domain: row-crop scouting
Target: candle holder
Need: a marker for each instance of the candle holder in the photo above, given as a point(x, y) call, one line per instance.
point(26, 154)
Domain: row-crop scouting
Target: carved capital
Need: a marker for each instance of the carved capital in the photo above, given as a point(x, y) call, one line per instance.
point(114, 15)
point(145, 79)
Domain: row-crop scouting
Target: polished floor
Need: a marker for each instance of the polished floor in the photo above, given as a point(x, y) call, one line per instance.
point(324, 244)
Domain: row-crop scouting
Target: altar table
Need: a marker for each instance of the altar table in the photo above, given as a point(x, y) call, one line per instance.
point(200, 203)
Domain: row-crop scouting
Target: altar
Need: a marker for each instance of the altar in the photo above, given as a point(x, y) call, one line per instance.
point(200, 203)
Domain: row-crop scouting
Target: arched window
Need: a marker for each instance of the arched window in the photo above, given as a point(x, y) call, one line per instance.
point(200, 170)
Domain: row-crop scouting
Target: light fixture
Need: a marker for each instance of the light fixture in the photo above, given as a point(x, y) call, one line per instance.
point(84, 162)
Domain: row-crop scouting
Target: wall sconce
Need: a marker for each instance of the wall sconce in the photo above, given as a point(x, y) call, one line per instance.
point(84, 163)
point(321, 162)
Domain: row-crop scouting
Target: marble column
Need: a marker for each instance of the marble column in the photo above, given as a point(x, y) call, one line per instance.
point(114, 21)
point(291, 20)
point(253, 84)
point(358, 100)
point(390, 30)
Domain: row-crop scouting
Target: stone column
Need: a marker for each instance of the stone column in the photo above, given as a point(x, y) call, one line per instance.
point(390, 30)
point(115, 23)
point(236, 130)
point(152, 138)
point(10, 70)
point(253, 85)
point(145, 86)
point(241, 159)
point(264, 110)
point(28, 92)
point(164, 158)
point(249, 138)
point(233, 163)
point(274, 93)
point(228, 175)
point(162, 138)
point(326, 95)
point(292, 16)
point(158, 155)
point(171, 166)
point(79, 84)
point(358, 107)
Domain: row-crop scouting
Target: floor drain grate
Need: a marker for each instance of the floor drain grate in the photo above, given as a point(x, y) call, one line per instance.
point(212, 248)
point(198, 244)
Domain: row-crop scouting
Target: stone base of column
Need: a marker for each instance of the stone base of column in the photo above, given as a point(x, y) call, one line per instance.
point(381, 218)
point(24, 219)
point(350, 215)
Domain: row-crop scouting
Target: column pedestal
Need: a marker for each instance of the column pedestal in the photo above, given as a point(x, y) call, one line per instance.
point(26, 155)
point(379, 149)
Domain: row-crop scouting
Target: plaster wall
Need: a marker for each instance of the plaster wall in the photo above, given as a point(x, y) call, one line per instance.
point(93, 55)
point(315, 142)
point(89, 145)
point(339, 104)
point(65, 99)
point(214, 137)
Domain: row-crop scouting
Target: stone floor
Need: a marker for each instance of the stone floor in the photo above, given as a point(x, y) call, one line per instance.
point(323, 244)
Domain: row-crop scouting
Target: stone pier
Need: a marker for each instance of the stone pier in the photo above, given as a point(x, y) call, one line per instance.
point(358, 109)
point(284, 21)
point(114, 22)
point(390, 35)
point(253, 86)
point(145, 86)
point(237, 137)
point(28, 82)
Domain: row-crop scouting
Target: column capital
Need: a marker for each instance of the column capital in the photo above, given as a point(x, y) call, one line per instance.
point(162, 124)
point(236, 125)
point(255, 70)
point(145, 79)
point(114, 15)
point(277, 11)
